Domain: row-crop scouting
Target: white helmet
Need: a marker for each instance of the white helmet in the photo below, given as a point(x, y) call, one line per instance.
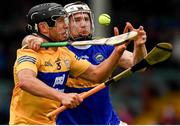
point(77, 7)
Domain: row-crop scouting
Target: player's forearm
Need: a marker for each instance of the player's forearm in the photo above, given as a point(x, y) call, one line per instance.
point(101, 72)
point(126, 60)
point(139, 53)
point(38, 88)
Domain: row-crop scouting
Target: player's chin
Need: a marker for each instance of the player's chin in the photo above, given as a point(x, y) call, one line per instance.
point(84, 34)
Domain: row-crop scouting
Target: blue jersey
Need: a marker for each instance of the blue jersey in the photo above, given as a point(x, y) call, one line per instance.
point(96, 109)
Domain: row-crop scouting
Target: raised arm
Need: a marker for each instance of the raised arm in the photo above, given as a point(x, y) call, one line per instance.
point(128, 59)
point(139, 51)
point(100, 73)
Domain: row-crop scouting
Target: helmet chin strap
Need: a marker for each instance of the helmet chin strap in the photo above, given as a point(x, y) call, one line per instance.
point(31, 30)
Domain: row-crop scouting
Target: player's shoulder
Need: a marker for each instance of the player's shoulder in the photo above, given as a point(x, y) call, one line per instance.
point(102, 47)
point(65, 51)
point(22, 50)
point(27, 52)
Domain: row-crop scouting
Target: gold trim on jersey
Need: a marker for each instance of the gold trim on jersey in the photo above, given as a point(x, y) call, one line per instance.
point(80, 83)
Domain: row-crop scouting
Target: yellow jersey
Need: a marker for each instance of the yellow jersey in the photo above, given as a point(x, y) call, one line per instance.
point(53, 68)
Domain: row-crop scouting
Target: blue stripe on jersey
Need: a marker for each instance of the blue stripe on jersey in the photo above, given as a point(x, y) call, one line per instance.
point(97, 109)
point(55, 80)
point(26, 59)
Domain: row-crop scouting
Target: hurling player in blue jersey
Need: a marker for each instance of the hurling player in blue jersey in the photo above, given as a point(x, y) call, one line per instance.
point(96, 109)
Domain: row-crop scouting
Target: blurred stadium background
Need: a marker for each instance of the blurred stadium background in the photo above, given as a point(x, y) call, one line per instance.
point(152, 97)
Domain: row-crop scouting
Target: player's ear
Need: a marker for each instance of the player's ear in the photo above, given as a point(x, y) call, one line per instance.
point(116, 31)
point(43, 27)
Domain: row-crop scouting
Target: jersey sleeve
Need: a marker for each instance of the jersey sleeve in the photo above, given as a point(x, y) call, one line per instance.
point(78, 65)
point(27, 59)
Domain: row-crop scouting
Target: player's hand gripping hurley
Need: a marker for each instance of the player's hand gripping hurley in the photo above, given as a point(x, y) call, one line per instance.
point(159, 53)
point(116, 40)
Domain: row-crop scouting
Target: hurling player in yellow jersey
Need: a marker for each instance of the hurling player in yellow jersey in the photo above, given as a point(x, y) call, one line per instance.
point(40, 77)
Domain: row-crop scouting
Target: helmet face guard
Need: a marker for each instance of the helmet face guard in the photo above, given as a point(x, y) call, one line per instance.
point(79, 7)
